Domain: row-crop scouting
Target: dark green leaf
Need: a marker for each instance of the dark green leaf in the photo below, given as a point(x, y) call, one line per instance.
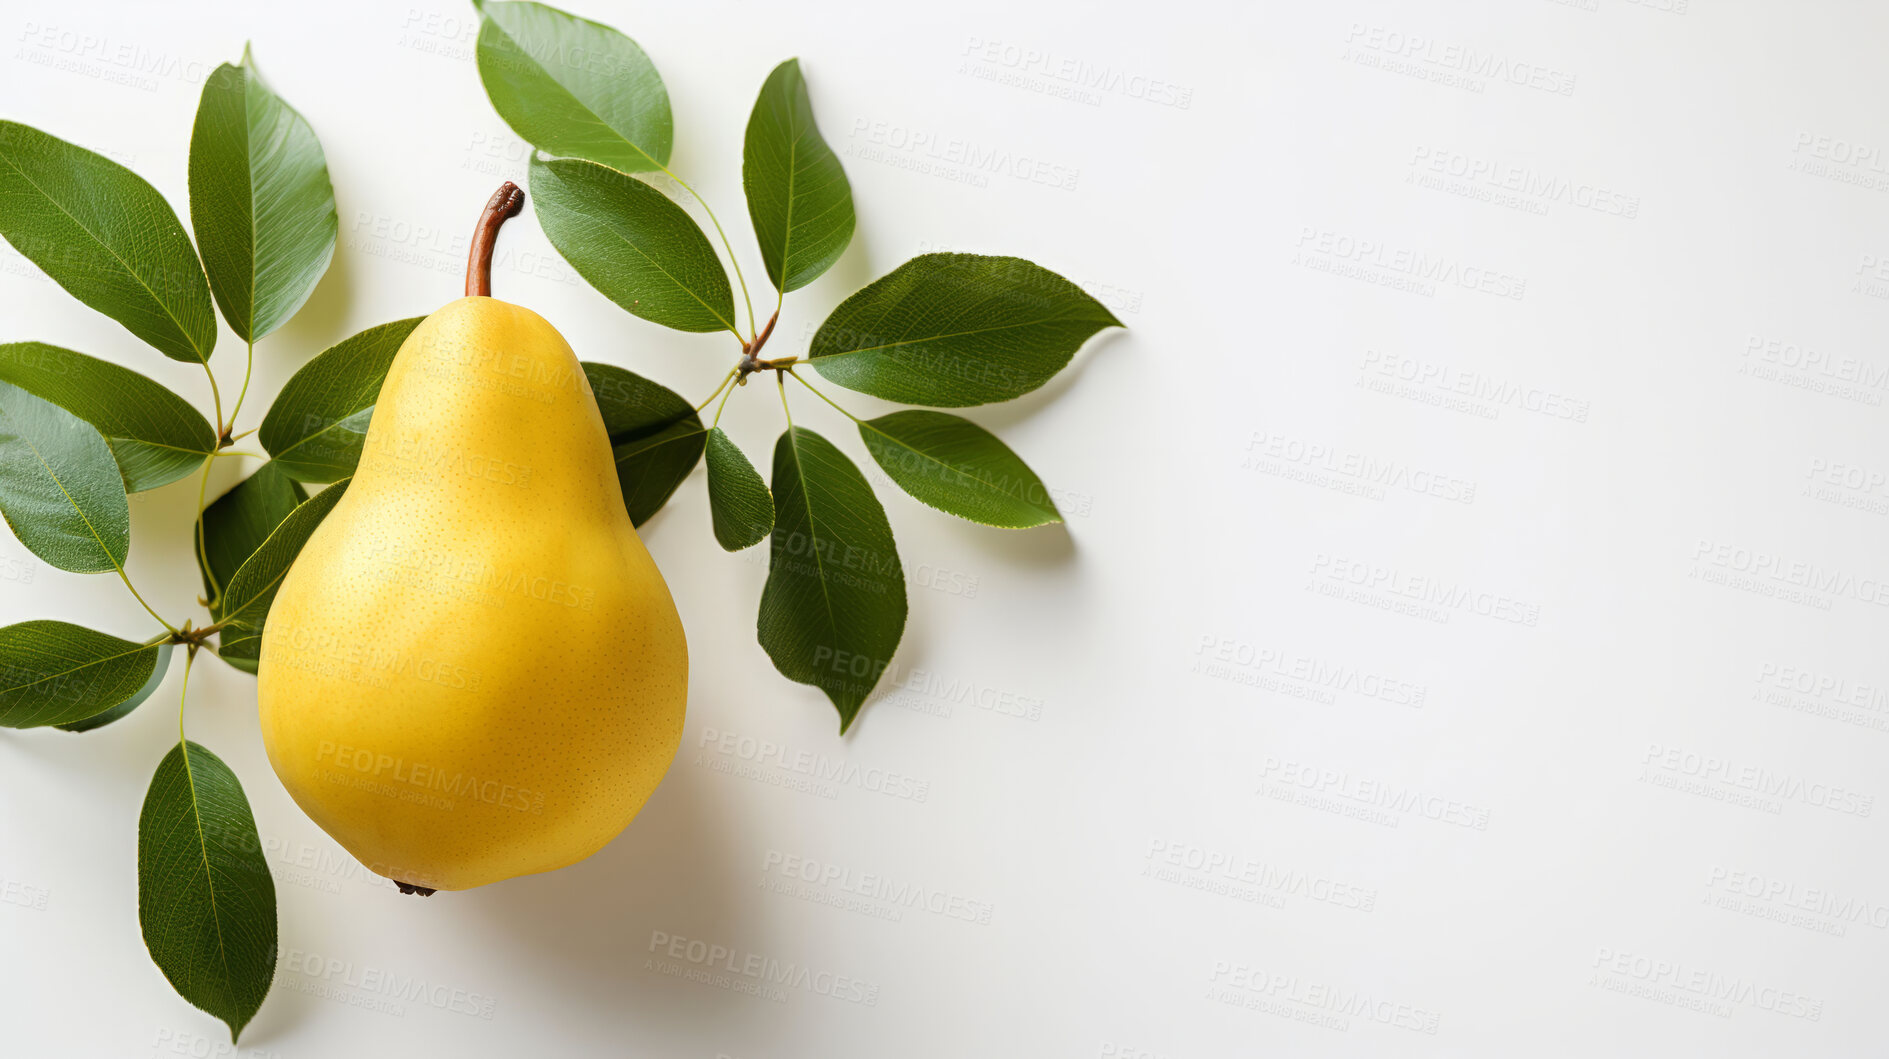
point(159, 667)
point(656, 435)
point(52, 672)
point(241, 647)
point(631, 405)
point(798, 197)
point(155, 435)
point(260, 200)
point(205, 898)
point(253, 587)
point(248, 593)
point(650, 468)
point(574, 87)
point(951, 330)
point(834, 605)
point(59, 488)
point(318, 423)
point(107, 237)
point(240, 520)
point(738, 500)
point(632, 243)
point(958, 467)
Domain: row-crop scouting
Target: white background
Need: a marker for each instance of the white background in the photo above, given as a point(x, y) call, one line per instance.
point(1601, 274)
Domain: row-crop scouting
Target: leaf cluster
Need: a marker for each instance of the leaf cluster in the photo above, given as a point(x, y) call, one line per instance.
point(79, 434)
point(941, 330)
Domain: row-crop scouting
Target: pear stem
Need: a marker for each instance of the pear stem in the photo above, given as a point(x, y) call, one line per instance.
point(505, 202)
point(750, 363)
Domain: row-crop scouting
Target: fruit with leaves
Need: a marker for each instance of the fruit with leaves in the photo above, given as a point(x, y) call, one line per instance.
point(78, 434)
point(474, 669)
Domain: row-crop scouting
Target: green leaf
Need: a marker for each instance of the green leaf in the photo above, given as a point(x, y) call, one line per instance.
point(631, 405)
point(241, 648)
point(951, 330)
point(53, 672)
point(655, 434)
point(834, 605)
point(632, 243)
point(205, 898)
point(155, 435)
point(959, 468)
point(798, 196)
point(107, 237)
point(247, 596)
point(574, 87)
point(59, 488)
point(738, 499)
point(318, 424)
point(159, 667)
point(260, 200)
point(241, 519)
point(253, 587)
point(651, 467)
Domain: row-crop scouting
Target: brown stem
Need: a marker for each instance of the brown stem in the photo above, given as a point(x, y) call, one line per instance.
point(194, 638)
point(766, 330)
point(505, 202)
point(750, 363)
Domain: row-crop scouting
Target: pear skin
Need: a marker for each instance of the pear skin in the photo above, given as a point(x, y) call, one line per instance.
point(474, 669)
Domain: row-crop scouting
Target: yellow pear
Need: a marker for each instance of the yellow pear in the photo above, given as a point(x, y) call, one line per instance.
point(474, 669)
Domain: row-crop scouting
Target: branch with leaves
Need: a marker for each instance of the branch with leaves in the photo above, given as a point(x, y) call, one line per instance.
point(942, 330)
point(79, 434)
